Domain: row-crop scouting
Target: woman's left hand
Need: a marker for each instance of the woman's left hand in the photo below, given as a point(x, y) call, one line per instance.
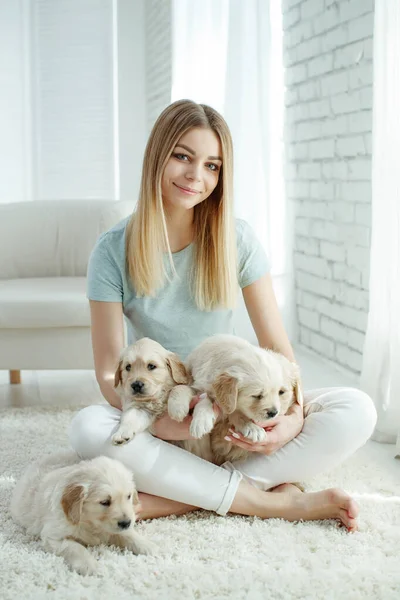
point(279, 430)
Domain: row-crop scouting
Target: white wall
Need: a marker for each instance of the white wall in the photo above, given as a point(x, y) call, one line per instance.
point(328, 59)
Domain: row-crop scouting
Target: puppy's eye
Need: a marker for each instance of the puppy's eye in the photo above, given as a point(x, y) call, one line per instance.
point(258, 397)
point(151, 367)
point(281, 392)
point(130, 496)
point(106, 502)
point(128, 367)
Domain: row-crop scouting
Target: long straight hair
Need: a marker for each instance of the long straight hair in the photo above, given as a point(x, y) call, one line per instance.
point(214, 280)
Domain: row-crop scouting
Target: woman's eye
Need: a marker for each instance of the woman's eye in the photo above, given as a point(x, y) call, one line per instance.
point(151, 367)
point(105, 502)
point(281, 392)
point(213, 167)
point(181, 156)
point(128, 367)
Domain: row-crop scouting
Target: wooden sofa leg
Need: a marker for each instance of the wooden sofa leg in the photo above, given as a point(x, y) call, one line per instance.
point(15, 376)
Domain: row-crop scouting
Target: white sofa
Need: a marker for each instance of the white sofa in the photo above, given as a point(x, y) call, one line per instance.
point(44, 251)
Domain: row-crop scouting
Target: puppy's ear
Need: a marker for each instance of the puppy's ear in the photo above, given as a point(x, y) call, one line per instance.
point(292, 374)
point(295, 379)
point(135, 498)
point(226, 390)
point(177, 369)
point(298, 391)
point(117, 376)
point(72, 501)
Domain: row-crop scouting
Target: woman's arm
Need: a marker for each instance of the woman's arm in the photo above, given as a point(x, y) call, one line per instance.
point(107, 326)
point(265, 317)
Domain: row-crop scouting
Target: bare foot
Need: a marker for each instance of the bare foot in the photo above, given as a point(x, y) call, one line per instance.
point(328, 504)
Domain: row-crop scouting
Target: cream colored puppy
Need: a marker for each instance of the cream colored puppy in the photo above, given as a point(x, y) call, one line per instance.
point(248, 383)
point(146, 374)
point(70, 504)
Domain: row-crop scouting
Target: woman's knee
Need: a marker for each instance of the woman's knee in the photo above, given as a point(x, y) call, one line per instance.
point(349, 414)
point(90, 428)
point(365, 411)
point(361, 413)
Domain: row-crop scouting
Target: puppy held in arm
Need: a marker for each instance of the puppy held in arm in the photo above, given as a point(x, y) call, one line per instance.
point(248, 383)
point(145, 376)
point(71, 504)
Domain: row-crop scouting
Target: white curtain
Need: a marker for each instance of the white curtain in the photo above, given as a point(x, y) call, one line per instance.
point(199, 51)
point(228, 54)
point(381, 366)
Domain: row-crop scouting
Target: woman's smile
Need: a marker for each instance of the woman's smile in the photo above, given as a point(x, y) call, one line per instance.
point(187, 190)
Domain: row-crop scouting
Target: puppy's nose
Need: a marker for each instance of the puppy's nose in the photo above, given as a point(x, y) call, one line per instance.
point(137, 386)
point(124, 524)
point(272, 413)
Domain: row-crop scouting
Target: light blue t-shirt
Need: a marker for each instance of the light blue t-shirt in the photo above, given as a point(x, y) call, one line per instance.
point(171, 317)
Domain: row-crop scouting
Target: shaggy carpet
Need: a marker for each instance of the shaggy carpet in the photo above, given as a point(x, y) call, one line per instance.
point(203, 555)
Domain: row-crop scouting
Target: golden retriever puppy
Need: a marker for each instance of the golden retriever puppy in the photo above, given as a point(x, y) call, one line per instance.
point(71, 504)
point(146, 374)
point(248, 383)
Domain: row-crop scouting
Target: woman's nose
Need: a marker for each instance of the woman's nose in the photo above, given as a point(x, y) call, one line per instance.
point(193, 172)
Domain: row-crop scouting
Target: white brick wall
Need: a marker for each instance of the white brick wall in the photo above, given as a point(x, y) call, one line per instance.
point(328, 62)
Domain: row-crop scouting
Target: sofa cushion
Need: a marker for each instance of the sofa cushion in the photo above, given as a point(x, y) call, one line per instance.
point(44, 302)
point(53, 238)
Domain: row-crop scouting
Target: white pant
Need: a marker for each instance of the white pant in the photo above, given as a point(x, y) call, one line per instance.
point(337, 422)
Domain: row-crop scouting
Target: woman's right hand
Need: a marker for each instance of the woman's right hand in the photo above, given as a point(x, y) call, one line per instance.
point(168, 429)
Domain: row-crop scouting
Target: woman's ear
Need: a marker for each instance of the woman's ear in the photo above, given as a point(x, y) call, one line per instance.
point(177, 369)
point(226, 388)
point(117, 376)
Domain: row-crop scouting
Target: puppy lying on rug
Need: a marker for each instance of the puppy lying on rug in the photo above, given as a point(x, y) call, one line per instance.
point(71, 504)
point(146, 374)
point(248, 383)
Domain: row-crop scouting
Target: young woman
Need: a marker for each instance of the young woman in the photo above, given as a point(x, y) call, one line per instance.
point(173, 270)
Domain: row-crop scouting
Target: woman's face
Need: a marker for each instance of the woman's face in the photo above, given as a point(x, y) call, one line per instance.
point(192, 171)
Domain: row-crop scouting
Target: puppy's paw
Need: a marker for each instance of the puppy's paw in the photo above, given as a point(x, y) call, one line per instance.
point(146, 547)
point(143, 546)
point(86, 566)
point(179, 402)
point(122, 436)
point(202, 424)
point(178, 409)
point(253, 432)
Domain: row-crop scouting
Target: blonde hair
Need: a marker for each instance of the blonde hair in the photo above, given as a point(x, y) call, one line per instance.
point(214, 282)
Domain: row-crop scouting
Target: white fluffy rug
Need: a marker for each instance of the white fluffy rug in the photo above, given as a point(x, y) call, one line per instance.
point(203, 555)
